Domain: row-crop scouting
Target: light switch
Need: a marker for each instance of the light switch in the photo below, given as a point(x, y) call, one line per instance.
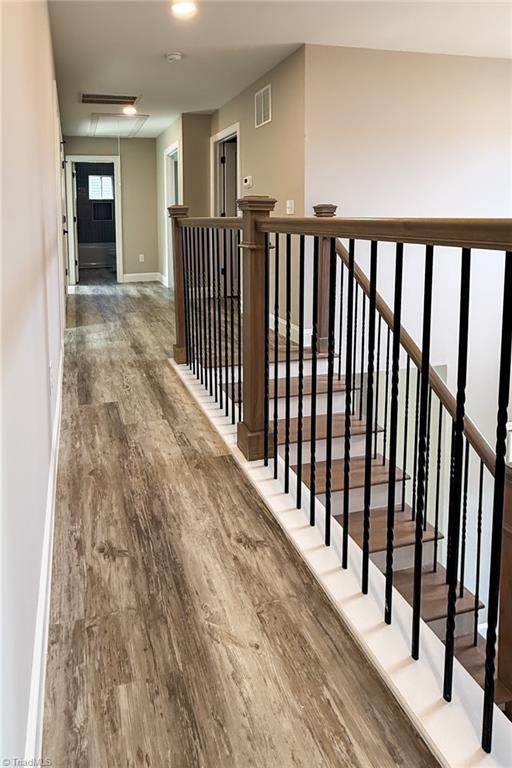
point(290, 207)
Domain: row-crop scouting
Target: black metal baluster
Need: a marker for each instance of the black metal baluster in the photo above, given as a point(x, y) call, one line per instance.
point(219, 314)
point(267, 356)
point(416, 428)
point(406, 427)
point(314, 367)
point(239, 322)
point(438, 483)
point(456, 472)
point(288, 318)
point(427, 467)
point(226, 348)
point(497, 517)
point(348, 405)
point(369, 417)
point(204, 297)
point(354, 350)
point(276, 354)
point(198, 302)
point(386, 400)
point(393, 436)
point(377, 376)
point(301, 372)
point(214, 292)
point(361, 378)
point(191, 268)
point(478, 552)
point(340, 342)
point(232, 334)
point(330, 376)
point(422, 444)
point(209, 299)
point(185, 292)
point(464, 520)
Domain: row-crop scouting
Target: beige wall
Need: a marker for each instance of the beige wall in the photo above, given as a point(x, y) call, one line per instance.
point(138, 194)
point(170, 137)
point(32, 317)
point(274, 153)
point(196, 163)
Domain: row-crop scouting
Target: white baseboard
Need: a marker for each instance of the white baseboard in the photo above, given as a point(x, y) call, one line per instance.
point(34, 732)
point(164, 280)
point(142, 277)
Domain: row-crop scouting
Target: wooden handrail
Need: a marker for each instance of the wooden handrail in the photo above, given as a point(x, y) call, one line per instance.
point(221, 222)
point(492, 234)
point(473, 434)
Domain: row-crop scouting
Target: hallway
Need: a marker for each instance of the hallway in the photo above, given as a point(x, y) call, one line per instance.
point(184, 629)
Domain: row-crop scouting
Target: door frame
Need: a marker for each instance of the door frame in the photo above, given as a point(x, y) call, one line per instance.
point(226, 133)
point(168, 262)
point(72, 228)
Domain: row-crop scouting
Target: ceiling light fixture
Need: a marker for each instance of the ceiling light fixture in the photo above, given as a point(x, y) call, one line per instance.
point(184, 10)
point(129, 111)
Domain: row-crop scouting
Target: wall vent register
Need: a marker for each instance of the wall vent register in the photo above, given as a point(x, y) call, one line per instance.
point(263, 106)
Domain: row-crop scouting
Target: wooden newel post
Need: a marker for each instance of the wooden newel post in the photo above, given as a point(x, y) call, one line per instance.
point(505, 614)
point(251, 430)
point(323, 210)
point(177, 212)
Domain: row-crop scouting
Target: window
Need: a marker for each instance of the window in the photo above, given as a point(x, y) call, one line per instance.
point(101, 188)
point(263, 106)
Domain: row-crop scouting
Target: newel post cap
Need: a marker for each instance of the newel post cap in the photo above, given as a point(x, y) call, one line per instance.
point(178, 211)
point(325, 210)
point(259, 203)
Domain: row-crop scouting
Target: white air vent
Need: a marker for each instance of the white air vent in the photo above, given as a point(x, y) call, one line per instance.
point(263, 106)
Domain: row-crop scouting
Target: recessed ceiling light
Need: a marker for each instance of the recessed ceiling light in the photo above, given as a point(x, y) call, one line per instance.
point(129, 111)
point(184, 10)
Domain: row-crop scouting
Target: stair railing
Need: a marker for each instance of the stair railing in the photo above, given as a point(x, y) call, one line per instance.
point(248, 319)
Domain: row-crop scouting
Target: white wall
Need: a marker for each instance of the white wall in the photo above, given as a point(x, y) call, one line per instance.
point(170, 137)
point(32, 322)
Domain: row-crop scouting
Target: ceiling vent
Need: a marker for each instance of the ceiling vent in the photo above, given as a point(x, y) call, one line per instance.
point(263, 106)
point(108, 98)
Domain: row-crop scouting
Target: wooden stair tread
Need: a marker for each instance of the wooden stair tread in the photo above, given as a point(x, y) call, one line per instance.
point(404, 528)
point(472, 658)
point(357, 469)
point(434, 592)
point(321, 389)
point(357, 427)
point(281, 355)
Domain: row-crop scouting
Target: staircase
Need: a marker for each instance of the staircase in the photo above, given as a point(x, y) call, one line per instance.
point(350, 409)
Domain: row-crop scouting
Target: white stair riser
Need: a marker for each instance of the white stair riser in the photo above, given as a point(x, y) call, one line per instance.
point(463, 625)
point(403, 557)
point(357, 448)
point(338, 401)
point(379, 497)
point(321, 367)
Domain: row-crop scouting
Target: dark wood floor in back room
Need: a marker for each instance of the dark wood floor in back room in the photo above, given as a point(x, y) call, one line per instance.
point(185, 631)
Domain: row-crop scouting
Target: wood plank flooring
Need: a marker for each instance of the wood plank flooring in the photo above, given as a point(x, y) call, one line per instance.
point(185, 631)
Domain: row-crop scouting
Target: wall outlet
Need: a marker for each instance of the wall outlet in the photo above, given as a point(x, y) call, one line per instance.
point(290, 207)
point(141, 257)
point(247, 182)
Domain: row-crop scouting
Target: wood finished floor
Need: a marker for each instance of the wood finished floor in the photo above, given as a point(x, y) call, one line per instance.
point(185, 631)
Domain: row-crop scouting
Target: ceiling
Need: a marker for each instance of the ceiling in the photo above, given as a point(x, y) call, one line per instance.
point(119, 47)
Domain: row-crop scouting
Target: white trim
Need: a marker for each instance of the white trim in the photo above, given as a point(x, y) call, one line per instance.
point(34, 732)
point(163, 279)
point(143, 277)
point(226, 133)
point(116, 160)
point(452, 730)
point(173, 148)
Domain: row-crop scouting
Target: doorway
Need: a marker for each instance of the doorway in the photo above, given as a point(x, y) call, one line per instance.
point(172, 195)
point(94, 231)
point(225, 162)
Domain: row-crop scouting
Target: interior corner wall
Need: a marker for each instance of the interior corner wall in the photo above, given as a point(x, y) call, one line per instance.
point(196, 163)
point(170, 137)
point(32, 319)
point(274, 153)
point(138, 195)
